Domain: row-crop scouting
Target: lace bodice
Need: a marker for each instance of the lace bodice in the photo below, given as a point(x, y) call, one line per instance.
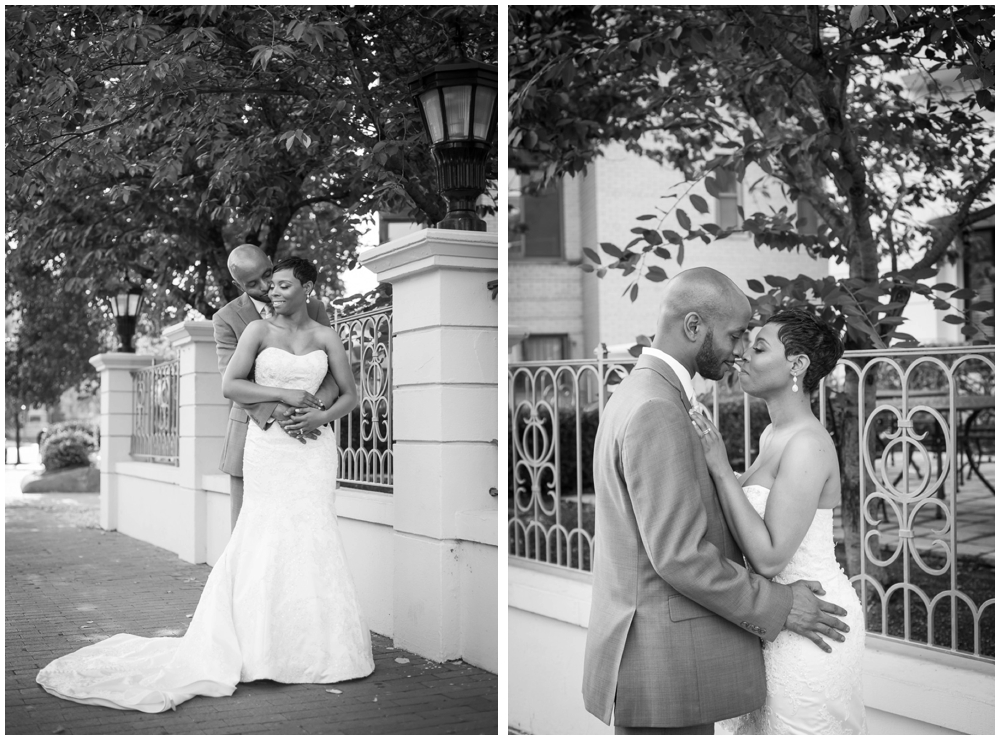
point(815, 557)
point(279, 368)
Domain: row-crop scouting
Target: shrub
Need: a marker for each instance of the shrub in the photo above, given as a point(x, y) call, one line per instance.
point(91, 430)
point(68, 448)
point(731, 428)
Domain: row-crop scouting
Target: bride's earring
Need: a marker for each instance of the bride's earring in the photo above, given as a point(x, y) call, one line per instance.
point(795, 383)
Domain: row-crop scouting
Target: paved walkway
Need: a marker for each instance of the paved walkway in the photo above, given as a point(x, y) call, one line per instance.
point(70, 583)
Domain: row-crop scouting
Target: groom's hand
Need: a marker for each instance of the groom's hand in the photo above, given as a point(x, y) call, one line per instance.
point(283, 417)
point(814, 618)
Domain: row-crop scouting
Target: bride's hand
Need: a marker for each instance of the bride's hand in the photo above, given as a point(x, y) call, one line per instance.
point(301, 399)
point(711, 441)
point(305, 422)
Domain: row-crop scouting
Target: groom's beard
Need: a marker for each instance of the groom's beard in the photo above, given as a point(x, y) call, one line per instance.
point(707, 362)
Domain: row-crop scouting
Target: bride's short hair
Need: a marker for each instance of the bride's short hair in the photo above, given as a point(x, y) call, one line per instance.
point(803, 334)
point(303, 270)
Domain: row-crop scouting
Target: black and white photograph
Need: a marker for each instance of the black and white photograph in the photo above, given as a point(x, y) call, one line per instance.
point(251, 370)
point(751, 370)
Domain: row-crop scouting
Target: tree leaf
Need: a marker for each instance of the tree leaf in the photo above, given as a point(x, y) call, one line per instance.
point(683, 219)
point(776, 281)
point(699, 203)
point(755, 286)
point(859, 15)
point(592, 255)
point(656, 274)
point(634, 292)
point(611, 249)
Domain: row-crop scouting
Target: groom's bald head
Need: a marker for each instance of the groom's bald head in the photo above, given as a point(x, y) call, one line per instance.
point(251, 270)
point(699, 304)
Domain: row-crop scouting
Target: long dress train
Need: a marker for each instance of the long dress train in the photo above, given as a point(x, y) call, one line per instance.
point(280, 602)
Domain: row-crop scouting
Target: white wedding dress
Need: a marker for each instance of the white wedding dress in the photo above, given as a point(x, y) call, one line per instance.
point(809, 691)
point(280, 602)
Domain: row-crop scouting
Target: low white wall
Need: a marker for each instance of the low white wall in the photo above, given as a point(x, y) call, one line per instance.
point(908, 690)
point(218, 524)
point(478, 579)
point(147, 507)
point(366, 527)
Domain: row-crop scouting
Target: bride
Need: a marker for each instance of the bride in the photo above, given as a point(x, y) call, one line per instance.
point(280, 603)
point(781, 513)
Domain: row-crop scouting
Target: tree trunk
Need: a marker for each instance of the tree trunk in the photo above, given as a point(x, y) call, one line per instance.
point(17, 436)
point(854, 480)
point(855, 483)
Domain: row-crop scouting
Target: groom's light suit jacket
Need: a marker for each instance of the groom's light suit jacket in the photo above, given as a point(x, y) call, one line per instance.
point(229, 323)
point(676, 618)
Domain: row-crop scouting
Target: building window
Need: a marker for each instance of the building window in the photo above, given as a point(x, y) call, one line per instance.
point(534, 224)
point(807, 221)
point(545, 348)
point(730, 199)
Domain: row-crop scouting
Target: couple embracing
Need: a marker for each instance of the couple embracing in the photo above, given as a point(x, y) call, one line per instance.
point(705, 603)
point(280, 603)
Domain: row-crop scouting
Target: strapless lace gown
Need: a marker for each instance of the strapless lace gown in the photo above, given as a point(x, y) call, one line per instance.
point(811, 692)
point(279, 604)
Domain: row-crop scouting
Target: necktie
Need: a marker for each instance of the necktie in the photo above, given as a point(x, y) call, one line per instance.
point(266, 312)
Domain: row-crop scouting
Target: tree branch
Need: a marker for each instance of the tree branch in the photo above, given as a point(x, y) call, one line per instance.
point(958, 221)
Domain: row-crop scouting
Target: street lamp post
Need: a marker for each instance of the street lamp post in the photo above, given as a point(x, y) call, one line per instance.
point(458, 105)
point(126, 306)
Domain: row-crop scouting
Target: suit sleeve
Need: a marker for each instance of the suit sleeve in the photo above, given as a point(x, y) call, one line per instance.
point(225, 346)
point(317, 310)
point(660, 455)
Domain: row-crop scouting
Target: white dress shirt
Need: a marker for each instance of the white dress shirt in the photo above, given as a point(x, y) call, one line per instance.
point(683, 375)
point(259, 305)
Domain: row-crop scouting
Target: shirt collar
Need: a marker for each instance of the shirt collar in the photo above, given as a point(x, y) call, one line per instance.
point(679, 370)
point(259, 305)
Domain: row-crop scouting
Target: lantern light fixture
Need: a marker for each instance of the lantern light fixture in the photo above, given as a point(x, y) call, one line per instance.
point(126, 307)
point(458, 106)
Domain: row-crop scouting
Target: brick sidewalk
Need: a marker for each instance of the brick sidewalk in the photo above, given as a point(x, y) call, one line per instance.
point(70, 583)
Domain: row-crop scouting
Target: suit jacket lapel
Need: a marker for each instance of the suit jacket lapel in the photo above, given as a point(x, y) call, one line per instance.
point(662, 369)
point(246, 310)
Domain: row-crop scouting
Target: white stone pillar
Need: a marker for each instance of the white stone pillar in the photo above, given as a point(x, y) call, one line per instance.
point(204, 413)
point(115, 369)
point(444, 373)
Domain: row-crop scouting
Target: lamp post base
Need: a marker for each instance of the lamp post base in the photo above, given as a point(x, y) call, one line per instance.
point(461, 168)
point(463, 220)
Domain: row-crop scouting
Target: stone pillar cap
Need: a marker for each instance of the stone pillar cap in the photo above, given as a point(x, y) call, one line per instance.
point(433, 248)
point(189, 331)
point(120, 361)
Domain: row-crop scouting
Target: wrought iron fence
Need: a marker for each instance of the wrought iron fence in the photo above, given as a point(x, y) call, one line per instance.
point(365, 435)
point(155, 413)
point(928, 411)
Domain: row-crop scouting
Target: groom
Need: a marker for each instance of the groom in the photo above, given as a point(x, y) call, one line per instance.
point(676, 619)
point(251, 270)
